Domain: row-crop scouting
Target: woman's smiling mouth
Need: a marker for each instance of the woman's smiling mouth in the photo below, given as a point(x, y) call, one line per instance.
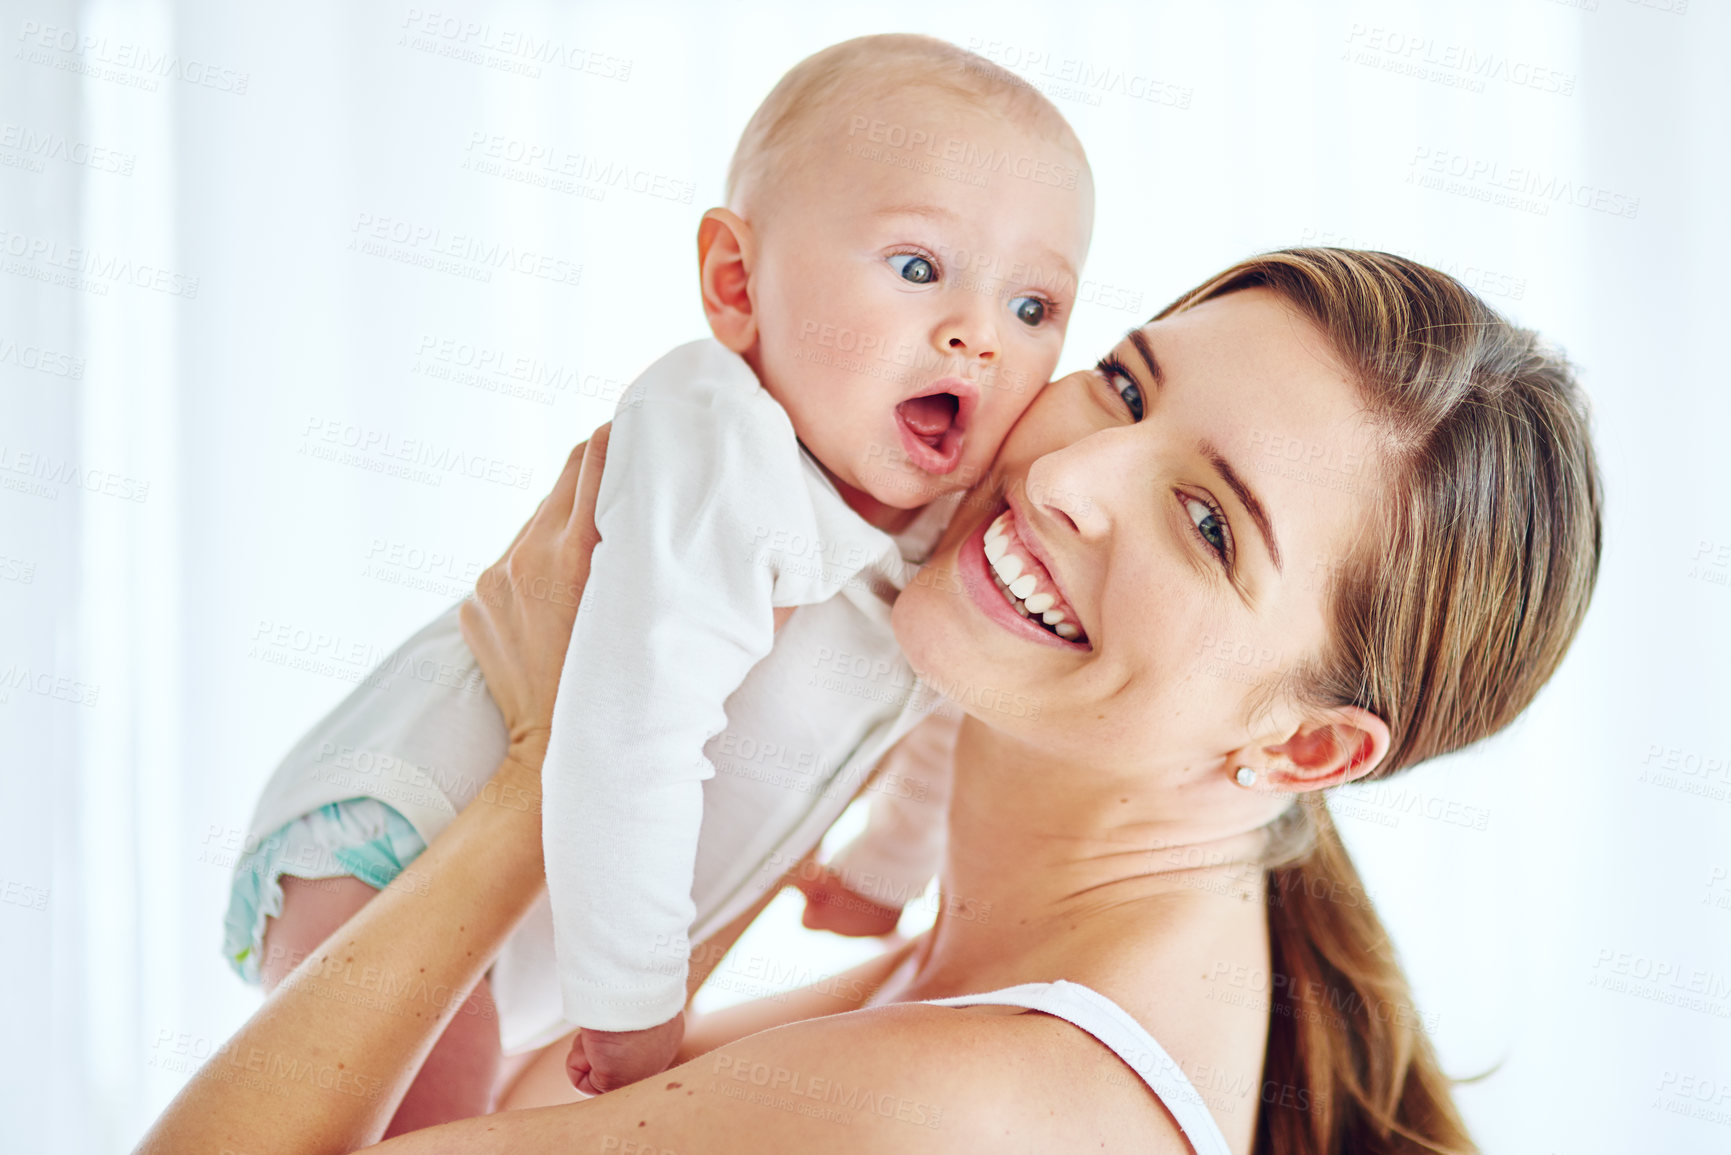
point(1025, 583)
point(1014, 588)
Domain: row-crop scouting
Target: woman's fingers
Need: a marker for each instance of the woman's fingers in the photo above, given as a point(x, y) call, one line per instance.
point(593, 453)
point(576, 453)
point(557, 506)
point(496, 576)
point(519, 622)
point(582, 535)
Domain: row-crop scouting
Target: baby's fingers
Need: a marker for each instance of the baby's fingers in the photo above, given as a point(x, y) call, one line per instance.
point(577, 1067)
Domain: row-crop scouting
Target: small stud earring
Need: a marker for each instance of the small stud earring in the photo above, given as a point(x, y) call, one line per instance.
point(1246, 776)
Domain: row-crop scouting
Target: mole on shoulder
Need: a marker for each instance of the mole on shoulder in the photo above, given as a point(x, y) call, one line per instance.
point(674, 1086)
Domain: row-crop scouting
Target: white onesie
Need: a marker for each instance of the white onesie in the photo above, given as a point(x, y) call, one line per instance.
point(711, 516)
point(678, 817)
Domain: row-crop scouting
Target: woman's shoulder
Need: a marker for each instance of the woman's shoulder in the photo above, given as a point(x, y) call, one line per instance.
point(913, 1077)
point(904, 1078)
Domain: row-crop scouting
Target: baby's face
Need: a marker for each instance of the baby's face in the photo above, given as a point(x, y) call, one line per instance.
point(914, 280)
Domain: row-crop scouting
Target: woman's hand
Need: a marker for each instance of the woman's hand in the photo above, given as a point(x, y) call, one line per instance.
point(519, 622)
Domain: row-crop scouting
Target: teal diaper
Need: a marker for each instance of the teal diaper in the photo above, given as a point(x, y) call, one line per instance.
point(358, 837)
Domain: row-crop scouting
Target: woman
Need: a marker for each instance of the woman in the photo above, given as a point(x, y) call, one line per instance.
point(1252, 636)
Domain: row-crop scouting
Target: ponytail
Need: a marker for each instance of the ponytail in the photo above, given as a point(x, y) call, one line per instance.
point(1346, 1047)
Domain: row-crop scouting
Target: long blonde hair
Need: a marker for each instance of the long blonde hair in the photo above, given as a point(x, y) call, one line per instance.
point(1469, 585)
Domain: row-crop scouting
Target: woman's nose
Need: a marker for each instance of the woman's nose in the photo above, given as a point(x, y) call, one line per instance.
point(1063, 485)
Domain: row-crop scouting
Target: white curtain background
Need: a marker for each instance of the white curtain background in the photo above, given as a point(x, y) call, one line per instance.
point(194, 305)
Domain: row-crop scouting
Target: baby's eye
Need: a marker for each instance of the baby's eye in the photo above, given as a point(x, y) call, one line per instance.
point(913, 267)
point(1030, 311)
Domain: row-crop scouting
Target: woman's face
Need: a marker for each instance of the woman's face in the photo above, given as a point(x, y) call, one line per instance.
point(1181, 517)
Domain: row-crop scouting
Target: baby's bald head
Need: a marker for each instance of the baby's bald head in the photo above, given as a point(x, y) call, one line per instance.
point(898, 260)
point(828, 100)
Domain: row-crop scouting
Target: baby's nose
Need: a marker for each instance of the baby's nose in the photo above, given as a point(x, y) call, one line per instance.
point(970, 336)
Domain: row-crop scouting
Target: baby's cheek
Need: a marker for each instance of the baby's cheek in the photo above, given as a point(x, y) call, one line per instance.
point(1014, 400)
point(1033, 373)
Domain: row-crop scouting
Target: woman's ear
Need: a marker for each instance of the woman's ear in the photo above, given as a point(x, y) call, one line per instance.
point(726, 256)
point(1327, 749)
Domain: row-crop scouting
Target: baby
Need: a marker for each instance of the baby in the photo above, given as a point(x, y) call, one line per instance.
point(888, 288)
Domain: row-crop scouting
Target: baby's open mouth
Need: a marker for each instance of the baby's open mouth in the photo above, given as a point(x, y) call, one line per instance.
point(930, 417)
point(933, 425)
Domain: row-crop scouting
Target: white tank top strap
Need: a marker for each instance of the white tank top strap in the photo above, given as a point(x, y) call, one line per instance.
point(1112, 1025)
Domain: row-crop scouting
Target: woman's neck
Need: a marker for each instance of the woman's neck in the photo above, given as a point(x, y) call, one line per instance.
point(1051, 864)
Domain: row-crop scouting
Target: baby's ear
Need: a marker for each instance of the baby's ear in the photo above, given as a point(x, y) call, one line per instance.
point(725, 259)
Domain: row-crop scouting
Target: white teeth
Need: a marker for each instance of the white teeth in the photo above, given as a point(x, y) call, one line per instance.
point(1019, 587)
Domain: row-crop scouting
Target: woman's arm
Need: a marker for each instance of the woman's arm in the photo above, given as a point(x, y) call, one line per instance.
point(894, 1080)
point(322, 1064)
point(904, 1079)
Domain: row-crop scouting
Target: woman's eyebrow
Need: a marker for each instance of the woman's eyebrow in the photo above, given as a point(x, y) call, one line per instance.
point(1247, 498)
point(1155, 374)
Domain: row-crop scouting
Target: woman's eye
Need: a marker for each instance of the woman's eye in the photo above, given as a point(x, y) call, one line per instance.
point(1132, 395)
point(1128, 390)
point(914, 268)
point(1030, 311)
point(1208, 524)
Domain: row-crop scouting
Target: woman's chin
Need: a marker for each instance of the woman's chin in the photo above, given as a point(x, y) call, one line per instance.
point(924, 619)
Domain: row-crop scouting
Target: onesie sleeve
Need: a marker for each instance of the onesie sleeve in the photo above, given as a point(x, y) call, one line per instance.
point(902, 846)
point(677, 610)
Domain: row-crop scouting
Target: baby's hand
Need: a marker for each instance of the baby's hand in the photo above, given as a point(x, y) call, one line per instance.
point(607, 1060)
point(831, 906)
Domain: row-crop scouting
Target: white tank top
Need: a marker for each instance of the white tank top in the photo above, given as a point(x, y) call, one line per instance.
point(1113, 1026)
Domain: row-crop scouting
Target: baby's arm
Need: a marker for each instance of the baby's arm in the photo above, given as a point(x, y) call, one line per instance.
point(676, 613)
point(871, 879)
